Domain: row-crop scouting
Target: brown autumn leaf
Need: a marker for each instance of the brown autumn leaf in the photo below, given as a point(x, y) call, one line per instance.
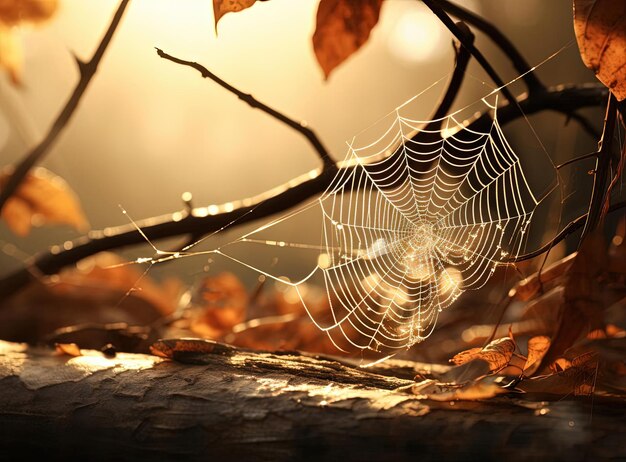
point(13, 13)
point(221, 303)
point(42, 198)
point(342, 27)
point(70, 349)
point(600, 27)
point(537, 348)
point(480, 389)
point(582, 308)
point(497, 354)
point(221, 7)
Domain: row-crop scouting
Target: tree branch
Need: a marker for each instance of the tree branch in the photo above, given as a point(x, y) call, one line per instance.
point(262, 206)
point(87, 71)
point(602, 170)
point(300, 127)
point(500, 40)
point(462, 60)
point(453, 28)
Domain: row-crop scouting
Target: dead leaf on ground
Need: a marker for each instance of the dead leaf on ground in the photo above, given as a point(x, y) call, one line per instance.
point(221, 7)
point(497, 354)
point(437, 391)
point(70, 349)
point(600, 27)
point(220, 303)
point(342, 27)
point(42, 198)
point(14, 13)
point(537, 348)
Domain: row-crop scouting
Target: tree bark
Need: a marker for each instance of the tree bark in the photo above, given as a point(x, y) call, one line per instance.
point(243, 405)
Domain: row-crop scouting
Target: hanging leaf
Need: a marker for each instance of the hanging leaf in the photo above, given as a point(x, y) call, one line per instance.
point(14, 13)
point(600, 27)
point(221, 7)
point(343, 26)
point(42, 198)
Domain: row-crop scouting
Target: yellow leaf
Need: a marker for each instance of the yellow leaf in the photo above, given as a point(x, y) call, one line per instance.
point(221, 7)
point(497, 354)
point(342, 27)
point(600, 27)
point(42, 198)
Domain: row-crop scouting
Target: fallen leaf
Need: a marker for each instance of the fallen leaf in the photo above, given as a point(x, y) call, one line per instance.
point(583, 305)
point(220, 304)
point(221, 7)
point(70, 349)
point(42, 198)
point(497, 354)
point(537, 348)
point(342, 27)
point(13, 13)
point(436, 391)
point(600, 27)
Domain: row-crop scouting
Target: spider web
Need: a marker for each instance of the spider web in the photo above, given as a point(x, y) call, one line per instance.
point(412, 220)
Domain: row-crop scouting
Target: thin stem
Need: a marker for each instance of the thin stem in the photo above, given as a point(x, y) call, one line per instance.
point(462, 60)
point(300, 127)
point(499, 39)
point(454, 29)
point(602, 169)
point(87, 71)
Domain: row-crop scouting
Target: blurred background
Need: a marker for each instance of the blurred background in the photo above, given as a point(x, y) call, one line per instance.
point(148, 130)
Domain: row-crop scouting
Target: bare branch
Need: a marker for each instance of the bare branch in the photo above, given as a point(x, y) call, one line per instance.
point(87, 71)
point(454, 29)
point(300, 127)
point(462, 60)
point(500, 40)
point(199, 222)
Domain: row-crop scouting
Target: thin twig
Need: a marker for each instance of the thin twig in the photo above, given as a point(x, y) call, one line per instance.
point(500, 40)
point(453, 28)
point(300, 127)
point(462, 60)
point(571, 228)
point(87, 71)
point(166, 226)
point(602, 170)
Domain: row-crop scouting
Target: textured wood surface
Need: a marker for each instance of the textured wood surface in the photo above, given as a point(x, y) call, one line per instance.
point(238, 405)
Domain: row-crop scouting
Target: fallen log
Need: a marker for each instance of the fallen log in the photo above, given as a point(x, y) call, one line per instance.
point(244, 405)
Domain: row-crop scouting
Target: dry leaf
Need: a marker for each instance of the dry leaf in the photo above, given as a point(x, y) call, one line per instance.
point(42, 198)
point(70, 349)
point(221, 7)
point(537, 348)
point(436, 391)
point(342, 27)
point(14, 13)
point(221, 303)
point(497, 354)
point(600, 27)
point(583, 305)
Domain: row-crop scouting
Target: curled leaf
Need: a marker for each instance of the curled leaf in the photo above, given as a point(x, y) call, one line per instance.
point(221, 7)
point(342, 27)
point(537, 348)
point(600, 27)
point(42, 198)
point(497, 354)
